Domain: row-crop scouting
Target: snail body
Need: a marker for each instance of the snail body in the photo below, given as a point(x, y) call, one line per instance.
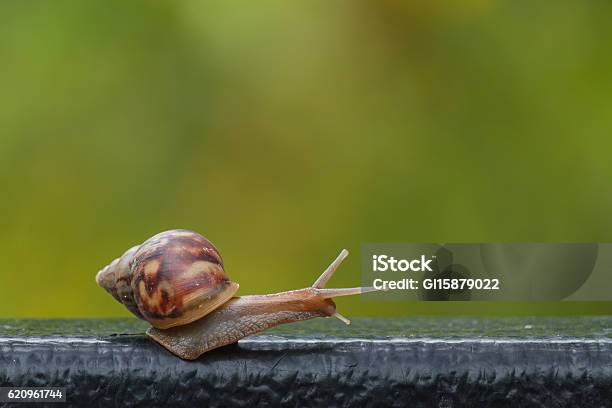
point(176, 281)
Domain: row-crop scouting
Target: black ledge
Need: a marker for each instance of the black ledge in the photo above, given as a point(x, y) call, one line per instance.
point(421, 362)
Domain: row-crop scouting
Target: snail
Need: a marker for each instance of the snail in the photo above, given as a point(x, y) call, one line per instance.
point(176, 281)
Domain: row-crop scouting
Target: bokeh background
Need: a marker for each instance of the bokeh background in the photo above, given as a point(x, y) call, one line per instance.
point(285, 131)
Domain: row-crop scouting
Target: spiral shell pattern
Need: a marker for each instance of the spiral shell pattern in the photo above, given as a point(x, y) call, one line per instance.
point(172, 279)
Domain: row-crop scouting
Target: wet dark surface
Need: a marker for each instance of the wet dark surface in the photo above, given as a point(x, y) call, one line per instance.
point(550, 362)
point(588, 326)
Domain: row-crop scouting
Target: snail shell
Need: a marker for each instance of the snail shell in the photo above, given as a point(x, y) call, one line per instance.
point(172, 279)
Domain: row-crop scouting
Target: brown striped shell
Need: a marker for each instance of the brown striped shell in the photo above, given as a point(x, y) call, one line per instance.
point(172, 279)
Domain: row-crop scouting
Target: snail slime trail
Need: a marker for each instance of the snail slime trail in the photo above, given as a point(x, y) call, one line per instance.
point(176, 281)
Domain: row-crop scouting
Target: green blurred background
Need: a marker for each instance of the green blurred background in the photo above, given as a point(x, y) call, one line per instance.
point(285, 131)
